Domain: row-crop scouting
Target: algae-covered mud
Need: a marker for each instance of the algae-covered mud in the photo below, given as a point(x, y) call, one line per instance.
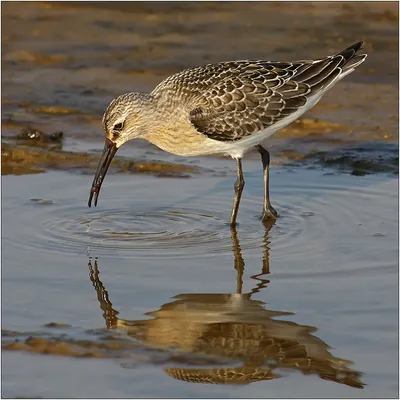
point(151, 294)
point(61, 79)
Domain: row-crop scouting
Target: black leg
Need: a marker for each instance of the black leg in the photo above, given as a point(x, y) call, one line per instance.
point(239, 184)
point(268, 211)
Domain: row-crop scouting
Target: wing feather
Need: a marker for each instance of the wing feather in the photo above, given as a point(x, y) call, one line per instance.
point(231, 100)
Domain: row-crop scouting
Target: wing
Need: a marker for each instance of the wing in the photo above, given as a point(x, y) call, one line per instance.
point(231, 100)
point(247, 103)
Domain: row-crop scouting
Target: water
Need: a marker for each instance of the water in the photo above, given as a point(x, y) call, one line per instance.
point(151, 294)
point(321, 284)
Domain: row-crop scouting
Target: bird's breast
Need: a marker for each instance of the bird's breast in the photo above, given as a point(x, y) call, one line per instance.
point(179, 139)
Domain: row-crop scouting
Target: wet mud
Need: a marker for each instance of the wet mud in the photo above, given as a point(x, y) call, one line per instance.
point(71, 82)
point(20, 159)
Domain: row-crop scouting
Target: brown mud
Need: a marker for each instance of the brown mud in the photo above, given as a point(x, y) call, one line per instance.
point(20, 159)
point(138, 44)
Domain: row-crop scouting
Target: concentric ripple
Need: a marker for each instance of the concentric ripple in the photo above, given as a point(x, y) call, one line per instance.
point(311, 215)
point(327, 214)
point(163, 232)
point(167, 232)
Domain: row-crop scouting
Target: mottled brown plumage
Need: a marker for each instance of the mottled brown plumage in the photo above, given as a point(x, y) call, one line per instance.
point(231, 100)
point(228, 107)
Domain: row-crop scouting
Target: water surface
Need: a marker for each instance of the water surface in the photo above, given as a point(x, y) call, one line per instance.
point(309, 304)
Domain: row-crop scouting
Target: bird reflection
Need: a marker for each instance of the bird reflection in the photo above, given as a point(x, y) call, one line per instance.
point(232, 328)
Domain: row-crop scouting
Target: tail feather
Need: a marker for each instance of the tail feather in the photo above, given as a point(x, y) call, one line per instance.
point(351, 58)
point(323, 74)
point(351, 50)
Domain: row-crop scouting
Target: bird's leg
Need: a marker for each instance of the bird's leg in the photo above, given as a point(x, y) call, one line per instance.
point(268, 211)
point(239, 184)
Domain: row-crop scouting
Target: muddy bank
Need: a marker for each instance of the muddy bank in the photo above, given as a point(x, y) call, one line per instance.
point(17, 159)
point(132, 46)
point(309, 143)
point(359, 160)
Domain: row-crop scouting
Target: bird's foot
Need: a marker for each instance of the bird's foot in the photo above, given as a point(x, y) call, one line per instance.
point(268, 218)
point(269, 214)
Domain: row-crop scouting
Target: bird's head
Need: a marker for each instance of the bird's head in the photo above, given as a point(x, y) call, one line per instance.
point(123, 120)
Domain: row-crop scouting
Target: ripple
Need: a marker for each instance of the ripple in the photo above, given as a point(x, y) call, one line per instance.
point(170, 232)
point(147, 232)
point(330, 219)
point(307, 214)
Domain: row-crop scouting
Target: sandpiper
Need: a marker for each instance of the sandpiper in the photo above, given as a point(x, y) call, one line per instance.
point(228, 107)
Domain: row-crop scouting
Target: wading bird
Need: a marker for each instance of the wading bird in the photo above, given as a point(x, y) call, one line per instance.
point(228, 107)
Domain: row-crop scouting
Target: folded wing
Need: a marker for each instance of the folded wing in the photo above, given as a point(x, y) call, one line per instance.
point(229, 101)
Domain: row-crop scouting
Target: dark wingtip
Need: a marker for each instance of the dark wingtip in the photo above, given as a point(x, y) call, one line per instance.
point(351, 50)
point(351, 54)
point(357, 46)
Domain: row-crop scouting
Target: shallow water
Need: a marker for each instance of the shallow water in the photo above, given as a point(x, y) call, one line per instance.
point(322, 284)
point(151, 294)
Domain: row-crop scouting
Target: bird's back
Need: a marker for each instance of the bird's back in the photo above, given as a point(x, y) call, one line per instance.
point(230, 100)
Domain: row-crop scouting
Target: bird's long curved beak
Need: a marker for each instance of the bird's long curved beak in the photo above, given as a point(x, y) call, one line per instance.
point(109, 151)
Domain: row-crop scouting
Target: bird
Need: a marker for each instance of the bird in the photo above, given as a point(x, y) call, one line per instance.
point(223, 108)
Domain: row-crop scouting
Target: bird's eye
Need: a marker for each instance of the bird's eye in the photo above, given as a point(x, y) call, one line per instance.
point(118, 127)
